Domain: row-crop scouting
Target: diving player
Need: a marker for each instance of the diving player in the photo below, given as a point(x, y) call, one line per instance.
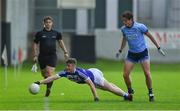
point(93, 77)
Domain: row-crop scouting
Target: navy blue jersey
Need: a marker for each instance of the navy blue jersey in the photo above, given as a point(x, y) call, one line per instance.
point(47, 41)
point(79, 75)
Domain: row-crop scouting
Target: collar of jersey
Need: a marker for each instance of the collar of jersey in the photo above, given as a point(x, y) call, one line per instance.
point(47, 30)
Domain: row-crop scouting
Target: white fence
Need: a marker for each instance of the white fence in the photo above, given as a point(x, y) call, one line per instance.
point(108, 43)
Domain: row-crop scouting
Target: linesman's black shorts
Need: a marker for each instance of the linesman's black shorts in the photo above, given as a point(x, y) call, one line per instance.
point(47, 60)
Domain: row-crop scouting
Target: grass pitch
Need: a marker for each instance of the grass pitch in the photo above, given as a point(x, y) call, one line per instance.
point(67, 95)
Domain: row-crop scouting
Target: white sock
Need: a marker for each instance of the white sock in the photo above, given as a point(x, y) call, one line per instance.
point(125, 94)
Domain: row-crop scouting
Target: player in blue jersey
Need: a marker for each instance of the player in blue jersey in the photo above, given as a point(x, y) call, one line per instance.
point(133, 33)
point(93, 77)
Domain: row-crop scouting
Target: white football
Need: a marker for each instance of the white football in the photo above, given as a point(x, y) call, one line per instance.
point(34, 88)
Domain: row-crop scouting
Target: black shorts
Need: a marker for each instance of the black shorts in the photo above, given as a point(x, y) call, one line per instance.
point(47, 60)
point(137, 57)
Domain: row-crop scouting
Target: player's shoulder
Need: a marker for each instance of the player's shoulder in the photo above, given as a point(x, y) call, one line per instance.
point(138, 24)
point(39, 32)
point(123, 27)
point(79, 69)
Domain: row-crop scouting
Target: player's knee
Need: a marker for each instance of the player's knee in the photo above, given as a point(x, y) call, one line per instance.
point(49, 71)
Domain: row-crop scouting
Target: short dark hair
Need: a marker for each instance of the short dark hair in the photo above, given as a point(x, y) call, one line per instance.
point(71, 61)
point(128, 15)
point(47, 18)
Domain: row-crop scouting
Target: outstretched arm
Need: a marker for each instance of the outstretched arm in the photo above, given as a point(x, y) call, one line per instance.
point(93, 89)
point(155, 43)
point(123, 44)
point(35, 51)
point(49, 79)
point(149, 35)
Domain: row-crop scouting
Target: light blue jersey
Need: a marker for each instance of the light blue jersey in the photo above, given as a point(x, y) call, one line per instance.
point(135, 37)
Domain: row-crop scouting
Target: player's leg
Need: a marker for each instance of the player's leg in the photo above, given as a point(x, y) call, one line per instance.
point(146, 68)
point(43, 63)
point(49, 72)
point(46, 72)
point(116, 90)
point(102, 83)
point(112, 88)
point(48, 85)
point(43, 72)
point(128, 66)
point(51, 61)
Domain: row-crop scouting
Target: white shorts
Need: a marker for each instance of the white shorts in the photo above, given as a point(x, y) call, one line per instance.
point(98, 76)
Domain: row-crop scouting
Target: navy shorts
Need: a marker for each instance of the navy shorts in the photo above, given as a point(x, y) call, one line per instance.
point(137, 57)
point(47, 60)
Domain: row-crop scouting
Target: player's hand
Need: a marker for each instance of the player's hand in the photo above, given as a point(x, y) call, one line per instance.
point(96, 99)
point(161, 51)
point(35, 59)
point(34, 68)
point(118, 53)
point(66, 56)
point(37, 82)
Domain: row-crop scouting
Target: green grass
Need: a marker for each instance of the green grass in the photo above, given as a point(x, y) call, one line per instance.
point(78, 97)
